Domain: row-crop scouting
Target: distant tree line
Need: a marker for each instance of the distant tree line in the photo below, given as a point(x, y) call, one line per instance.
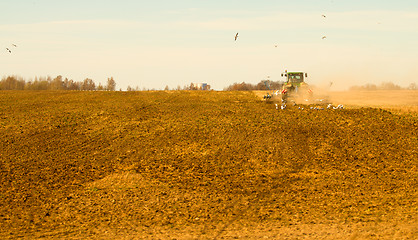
point(262, 85)
point(57, 83)
point(383, 86)
point(192, 86)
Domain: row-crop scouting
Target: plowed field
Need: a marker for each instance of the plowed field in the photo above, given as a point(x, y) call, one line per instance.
point(202, 165)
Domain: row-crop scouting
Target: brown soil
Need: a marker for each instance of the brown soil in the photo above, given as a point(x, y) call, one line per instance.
point(202, 165)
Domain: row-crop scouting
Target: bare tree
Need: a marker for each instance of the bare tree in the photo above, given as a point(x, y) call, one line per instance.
point(111, 84)
point(57, 83)
point(100, 87)
point(88, 84)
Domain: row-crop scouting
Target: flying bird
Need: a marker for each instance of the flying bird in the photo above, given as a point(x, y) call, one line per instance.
point(324, 16)
point(236, 36)
point(8, 50)
point(324, 37)
point(14, 45)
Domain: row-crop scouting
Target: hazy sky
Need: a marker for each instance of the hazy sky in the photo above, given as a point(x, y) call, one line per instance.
point(152, 44)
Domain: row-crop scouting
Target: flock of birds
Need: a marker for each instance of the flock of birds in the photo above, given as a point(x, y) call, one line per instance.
point(283, 106)
point(323, 37)
point(235, 38)
point(8, 49)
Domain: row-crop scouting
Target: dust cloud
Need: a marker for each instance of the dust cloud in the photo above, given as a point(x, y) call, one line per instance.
point(337, 89)
point(400, 99)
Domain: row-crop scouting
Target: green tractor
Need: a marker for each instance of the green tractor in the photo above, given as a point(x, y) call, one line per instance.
point(295, 86)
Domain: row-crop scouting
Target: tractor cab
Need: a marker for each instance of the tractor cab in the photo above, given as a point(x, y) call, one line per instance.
point(294, 79)
point(294, 84)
